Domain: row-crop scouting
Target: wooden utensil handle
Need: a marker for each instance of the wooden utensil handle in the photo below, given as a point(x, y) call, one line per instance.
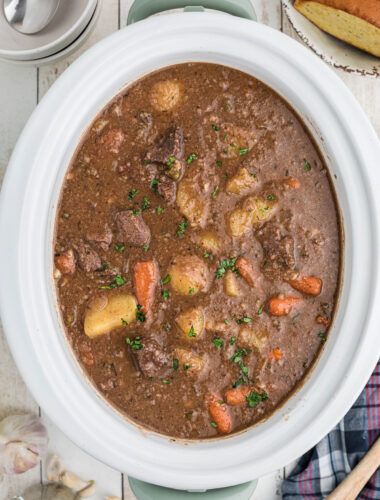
point(350, 487)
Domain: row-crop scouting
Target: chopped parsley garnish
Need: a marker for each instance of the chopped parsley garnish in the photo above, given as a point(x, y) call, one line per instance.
point(135, 344)
point(106, 265)
point(166, 382)
point(145, 203)
point(181, 228)
point(118, 281)
point(227, 322)
point(147, 161)
point(215, 191)
point(175, 364)
point(253, 175)
point(145, 247)
point(191, 291)
point(307, 165)
point(140, 316)
point(159, 210)
point(192, 332)
point(186, 367)
point(245, 319)
point(224, 265)
point(322, 337)
point(206, 255)
point(165, 294)
point(123, 322)
point(255, 398)
point(270, 197)
point(132, 193)
point(218, 162)
point(153, 184)
point(214, 424)
point(171, 159)
point(225, 138)
point(136, 211)
point(238, 382)
point(237, 358)
point(119, 249)
point(166, 279)
point(191, 158)
point(215, 128)
point(260, 311)
point(243, 151)
point(225, 176)
point(232, 340)
point(218, 343)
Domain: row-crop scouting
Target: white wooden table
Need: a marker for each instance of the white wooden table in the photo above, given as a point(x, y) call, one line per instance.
point(21, 88)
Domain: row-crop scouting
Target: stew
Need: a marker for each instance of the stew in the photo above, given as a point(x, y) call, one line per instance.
point(197, 251)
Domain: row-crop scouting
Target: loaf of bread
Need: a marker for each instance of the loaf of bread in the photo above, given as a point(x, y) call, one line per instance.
point(354, 21)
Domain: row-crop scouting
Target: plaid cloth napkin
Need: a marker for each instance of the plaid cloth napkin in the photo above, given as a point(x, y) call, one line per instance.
point(322, 468)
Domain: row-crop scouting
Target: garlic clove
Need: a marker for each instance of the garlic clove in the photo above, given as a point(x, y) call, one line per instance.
point(88, 491)
point(54, 468)
point(73, 481)
point(23, 442)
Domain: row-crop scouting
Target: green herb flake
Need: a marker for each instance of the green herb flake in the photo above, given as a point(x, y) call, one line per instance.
point(159, 210)
point(227, 322)
point(215, 128)
point(322, 337)
point(218, 343)
point(145, 203)
point(255, 398)
point(307, 165)
point(166, 279)
point(214, 424)
point(186, 367)
point(135, 344)
point(206, 255)
point(191, 291)
point(140, 316)
point(215, 191)
point(245, 319)
point(270, 197)
point(132, 193)
point(171, 160)
point(175, 364)
point(238, 382)
point(232, 340)
point(119, 249)
point(260, 311)
point(165, 294)
point(191, 158)
point(225, 176)
point(243, 151)
point(166, 382)
point(218, 162)
point(153, 184)
point(123, 322)
point(192, 332)
point(181, 228)
point(106, 265)
point(224, 265)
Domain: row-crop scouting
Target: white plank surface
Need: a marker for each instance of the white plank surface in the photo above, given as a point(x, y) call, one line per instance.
point(20, 90)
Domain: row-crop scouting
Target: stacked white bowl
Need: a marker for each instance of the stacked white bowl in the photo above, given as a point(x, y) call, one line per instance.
point(69, 28)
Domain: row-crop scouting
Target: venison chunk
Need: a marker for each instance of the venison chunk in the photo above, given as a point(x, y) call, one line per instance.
point(152, 359)
point(103, 237)
point(65, 262)
point(87, 258)
point(112, 140)
point(279, 261)
point(132, 229)
point(167, 188)
point(170, 147)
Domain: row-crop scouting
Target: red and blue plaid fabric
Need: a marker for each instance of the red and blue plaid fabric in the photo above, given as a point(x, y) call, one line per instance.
point(319, 471)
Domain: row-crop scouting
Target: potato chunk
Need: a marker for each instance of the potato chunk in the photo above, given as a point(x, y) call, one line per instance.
point(191, 323)
point(191, 204)
point(189, 275)
point(165, 95)
point(252, 337)
point(240, 182)
point(104, 315)
point(210, 242)
point(230, 284)
point(264, 209)
point(189, 360)
point(240, 222)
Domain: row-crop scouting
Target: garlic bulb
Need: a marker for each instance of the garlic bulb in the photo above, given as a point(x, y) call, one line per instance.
point(23, 442)
point(54, 468)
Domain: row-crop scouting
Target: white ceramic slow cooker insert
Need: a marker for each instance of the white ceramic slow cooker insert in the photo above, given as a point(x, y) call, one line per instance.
point(28, 204)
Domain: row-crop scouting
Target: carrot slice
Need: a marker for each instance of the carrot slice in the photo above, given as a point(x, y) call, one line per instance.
point(145, 281)
point(237, 395)
point(307, 284)
point(321, 320)
point(275, 354)
point(282, 306)
point(246, 270)
point(292, 183)
point(219, 414)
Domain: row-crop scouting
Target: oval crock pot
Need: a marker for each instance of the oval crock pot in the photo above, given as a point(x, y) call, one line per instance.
point(28, 204)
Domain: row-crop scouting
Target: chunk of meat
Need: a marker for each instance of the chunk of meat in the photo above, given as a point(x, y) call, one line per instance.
point(87, 258)
point(153, 360)
point(112, 140)
point(167, 188)
point(281, 306)
point(103, 237)
point(65, 262)
point(132, 229)
point(279, 261)
point(307, 284)
point(145, 279)
point(168, 149)
point(219, 413)
point(246, 270)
